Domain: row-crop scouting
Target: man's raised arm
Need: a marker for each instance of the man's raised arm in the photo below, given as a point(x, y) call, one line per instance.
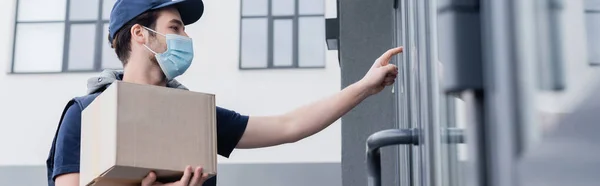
point(264, 131)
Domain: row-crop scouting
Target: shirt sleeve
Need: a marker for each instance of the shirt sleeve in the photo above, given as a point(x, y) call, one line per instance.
point(230, 128)
point(66, 155)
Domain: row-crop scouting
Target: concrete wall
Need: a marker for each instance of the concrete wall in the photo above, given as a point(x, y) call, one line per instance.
point(366, 33)
point(31, 104)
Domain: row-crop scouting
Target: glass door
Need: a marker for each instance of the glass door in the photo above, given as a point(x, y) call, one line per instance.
point(441, 95)
point(403, 91)
point(413, 96)
point(414, 108)
point(457, 39)
point(423, 105)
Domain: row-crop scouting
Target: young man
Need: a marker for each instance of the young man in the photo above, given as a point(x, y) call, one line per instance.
point(149, 38)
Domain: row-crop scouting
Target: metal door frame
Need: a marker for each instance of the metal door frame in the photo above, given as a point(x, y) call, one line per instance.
point(418, 90)
point(402, 97)
point(498, 107)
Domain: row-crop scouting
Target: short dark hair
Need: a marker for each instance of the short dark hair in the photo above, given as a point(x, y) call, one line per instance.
point(122, 40)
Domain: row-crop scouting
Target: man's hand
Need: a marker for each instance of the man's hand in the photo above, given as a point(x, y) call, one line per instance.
point(197, 180)
point(382, 73)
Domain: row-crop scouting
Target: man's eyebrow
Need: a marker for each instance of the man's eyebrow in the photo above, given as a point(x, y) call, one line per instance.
point(177, 21)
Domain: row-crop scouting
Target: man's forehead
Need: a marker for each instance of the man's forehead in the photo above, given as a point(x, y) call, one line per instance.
point(169, 13)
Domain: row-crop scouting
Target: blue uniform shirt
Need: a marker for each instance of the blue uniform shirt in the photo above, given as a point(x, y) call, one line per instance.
point(64, 155)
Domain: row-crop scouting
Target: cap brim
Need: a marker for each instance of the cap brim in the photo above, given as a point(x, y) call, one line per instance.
point(190, 10)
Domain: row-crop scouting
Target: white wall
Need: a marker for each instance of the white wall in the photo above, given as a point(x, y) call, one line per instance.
point(32, 103)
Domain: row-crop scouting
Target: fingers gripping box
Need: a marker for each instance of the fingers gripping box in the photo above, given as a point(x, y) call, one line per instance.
point(132, 129)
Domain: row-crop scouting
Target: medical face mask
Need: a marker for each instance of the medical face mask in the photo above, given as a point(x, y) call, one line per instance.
point(178, 56)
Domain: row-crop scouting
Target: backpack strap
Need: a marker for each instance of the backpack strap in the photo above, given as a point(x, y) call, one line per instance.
point(50, 160)
point(82, 102)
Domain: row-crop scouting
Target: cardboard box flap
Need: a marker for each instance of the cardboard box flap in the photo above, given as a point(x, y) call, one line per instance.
point(125, 175)
point(104, 180)
point(100, 181)
point(138, 173)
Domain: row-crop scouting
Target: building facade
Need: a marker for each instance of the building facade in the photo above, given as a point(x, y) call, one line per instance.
point(259, 57)
point(483, 86)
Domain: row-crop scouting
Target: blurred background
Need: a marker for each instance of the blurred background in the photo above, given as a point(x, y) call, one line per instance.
point(517, 79)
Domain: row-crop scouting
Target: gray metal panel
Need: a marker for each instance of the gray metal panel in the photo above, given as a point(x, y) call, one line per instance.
point(498, 133)
point(366, 32)
point(332, 33)
point(276, 174)
point(460, 43)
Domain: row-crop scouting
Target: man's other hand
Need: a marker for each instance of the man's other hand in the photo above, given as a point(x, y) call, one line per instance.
point(197, 180)
point(382, 73)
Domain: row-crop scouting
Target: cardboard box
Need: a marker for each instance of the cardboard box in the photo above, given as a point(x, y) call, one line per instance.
point(132, 129)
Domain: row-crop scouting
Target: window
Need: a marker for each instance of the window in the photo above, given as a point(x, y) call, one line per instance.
point(65, 35)
point(592, 10)
point(282, 34)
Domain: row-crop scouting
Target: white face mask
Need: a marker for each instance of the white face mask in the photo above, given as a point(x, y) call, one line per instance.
point(178, 56)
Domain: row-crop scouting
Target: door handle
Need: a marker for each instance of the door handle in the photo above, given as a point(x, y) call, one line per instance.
point(381, 139)
point(398, 137)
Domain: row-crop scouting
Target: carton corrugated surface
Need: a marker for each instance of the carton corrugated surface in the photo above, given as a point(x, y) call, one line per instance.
point(132, 129)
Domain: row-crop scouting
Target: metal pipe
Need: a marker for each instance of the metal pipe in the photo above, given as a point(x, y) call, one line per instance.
point(382, 139)
point(398, 137)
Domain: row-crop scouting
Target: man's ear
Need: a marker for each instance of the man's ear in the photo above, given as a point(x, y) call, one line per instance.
point(137, 34)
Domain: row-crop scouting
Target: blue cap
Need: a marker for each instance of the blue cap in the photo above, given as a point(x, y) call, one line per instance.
point(126, 10)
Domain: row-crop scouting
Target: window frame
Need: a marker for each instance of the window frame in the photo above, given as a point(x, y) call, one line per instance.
point(590, 10)
point(270, 33)
point(98, 23)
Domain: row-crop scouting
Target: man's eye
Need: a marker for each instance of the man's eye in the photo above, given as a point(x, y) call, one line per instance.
point(175, 28)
